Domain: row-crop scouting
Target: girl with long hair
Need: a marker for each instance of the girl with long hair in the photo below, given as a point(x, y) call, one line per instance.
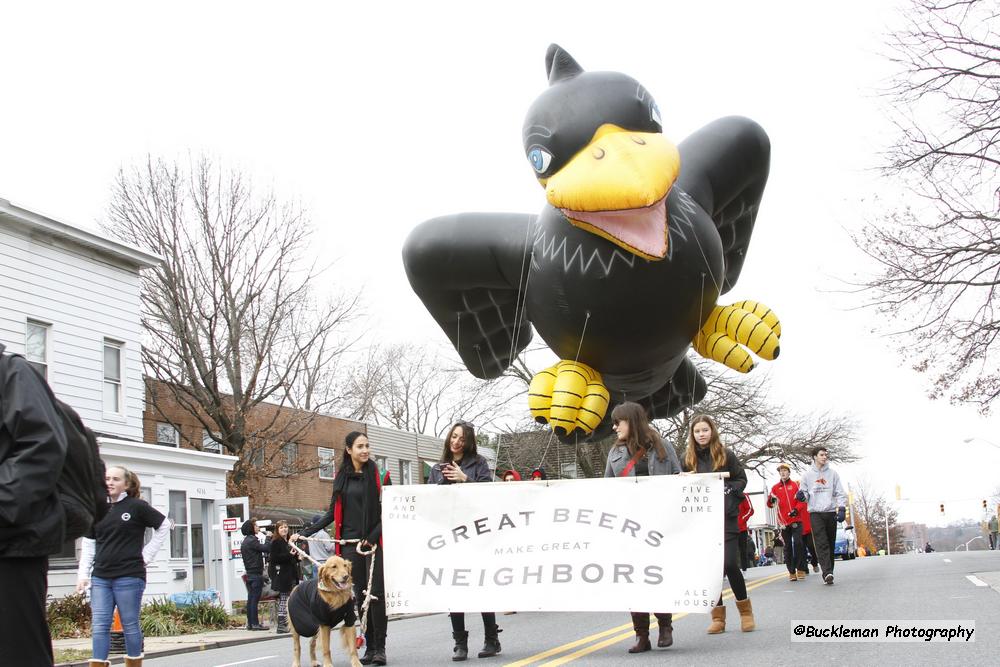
point(638, 452)
point(283, 568)
point(461, 463)
point(115, 552)
point(356, 512)
point(705, 454)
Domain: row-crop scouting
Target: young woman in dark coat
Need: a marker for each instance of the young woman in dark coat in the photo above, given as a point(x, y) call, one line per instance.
point(283, 568)
point(460, 463)
point(356, 513)
point(705, 453)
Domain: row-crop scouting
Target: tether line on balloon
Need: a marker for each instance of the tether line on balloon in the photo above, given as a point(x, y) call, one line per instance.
point(520, 302)
point(579, 347)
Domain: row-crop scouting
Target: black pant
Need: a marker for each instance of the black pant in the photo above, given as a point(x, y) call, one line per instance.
point(807, 540)
point(731, 566)
point(24, 630)
point(746, 550)
point(377, 624)
point(458, 621)
point(824, 530)
point(795, 553)
point(255, 585)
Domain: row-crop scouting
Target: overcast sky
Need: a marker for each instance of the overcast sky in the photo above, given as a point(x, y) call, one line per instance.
point(376, 116)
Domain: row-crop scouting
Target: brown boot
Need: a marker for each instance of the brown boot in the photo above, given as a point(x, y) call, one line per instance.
point(792, 577)
point(718, 620)
point(133, 662)
point(666, 637)
point(641, 644)
point(94, 662)
point(747, 624)
point(801, 574)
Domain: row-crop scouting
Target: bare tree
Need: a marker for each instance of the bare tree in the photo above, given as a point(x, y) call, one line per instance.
point(415, 389)
point(230, 319)
point(939, 258)
point(760, 432)
point(872, 514)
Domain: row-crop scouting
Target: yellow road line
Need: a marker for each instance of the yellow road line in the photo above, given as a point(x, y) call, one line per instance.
point(618, 631)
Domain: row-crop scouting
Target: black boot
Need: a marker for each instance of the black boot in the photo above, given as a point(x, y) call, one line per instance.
point(492, 644)
point(366, 659)
point(461, 650)
point(379, 657)
point(282, 627)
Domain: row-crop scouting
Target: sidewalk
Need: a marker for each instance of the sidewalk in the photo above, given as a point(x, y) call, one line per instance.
point(159, 647)
point(164, 646)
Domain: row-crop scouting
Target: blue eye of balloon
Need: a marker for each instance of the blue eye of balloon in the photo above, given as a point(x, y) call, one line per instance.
point(654, 114)
point(539, 159)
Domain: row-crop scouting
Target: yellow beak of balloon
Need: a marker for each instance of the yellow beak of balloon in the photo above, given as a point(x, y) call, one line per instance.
point(616, 187)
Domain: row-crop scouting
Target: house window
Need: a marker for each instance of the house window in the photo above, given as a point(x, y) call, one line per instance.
point(178, 515)
point(257, 454)
point(36, 346)
point(210, 442)
point(167, 435)
point(327, 467)
point(66, 558)
point(113, 402)
point(289, 455)
point(381, 463)
point(404, 472)
point(568, 470)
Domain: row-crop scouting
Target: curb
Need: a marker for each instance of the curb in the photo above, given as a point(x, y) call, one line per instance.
point(207, 646)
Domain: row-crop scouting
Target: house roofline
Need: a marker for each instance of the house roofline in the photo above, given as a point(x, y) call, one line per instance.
point(38, 223)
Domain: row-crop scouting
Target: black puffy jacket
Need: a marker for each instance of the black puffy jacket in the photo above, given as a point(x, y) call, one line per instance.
point(252, 550)
point(32, 451)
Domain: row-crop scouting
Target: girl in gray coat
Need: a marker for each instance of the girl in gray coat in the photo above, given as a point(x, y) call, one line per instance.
point(640, 451)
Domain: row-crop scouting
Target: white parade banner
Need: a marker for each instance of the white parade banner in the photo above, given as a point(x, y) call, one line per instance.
point(618, 544)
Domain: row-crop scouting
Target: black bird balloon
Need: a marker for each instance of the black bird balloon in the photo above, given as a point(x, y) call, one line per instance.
point(621, 271)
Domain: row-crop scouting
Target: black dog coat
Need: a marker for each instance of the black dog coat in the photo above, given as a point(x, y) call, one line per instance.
point(308, 611)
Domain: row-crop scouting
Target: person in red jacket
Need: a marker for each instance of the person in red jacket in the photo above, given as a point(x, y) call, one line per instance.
point(746, 549)
point(511, 476)
point(790, 511)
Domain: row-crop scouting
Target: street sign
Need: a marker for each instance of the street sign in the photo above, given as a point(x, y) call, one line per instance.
point(230, 524)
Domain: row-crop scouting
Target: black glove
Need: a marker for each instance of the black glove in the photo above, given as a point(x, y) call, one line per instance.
point(800, 496)
point(772, 501)
point(841, 514)
point(793, 513)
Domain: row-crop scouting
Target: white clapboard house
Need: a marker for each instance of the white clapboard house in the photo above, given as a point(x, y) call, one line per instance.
point(70, 302)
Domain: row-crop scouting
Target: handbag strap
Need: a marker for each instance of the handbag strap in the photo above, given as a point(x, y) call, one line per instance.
point(631, 462)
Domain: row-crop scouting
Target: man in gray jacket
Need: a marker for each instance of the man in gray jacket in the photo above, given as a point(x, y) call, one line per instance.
point(821, 489)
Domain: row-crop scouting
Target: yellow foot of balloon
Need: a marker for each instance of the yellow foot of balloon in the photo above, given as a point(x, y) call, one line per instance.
point(568, 396)
point(731, 333)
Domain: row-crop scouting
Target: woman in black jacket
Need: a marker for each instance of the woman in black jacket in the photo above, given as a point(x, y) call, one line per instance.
point(283, 568)
point(705, 453)
point(356, 512)
point(461, 463)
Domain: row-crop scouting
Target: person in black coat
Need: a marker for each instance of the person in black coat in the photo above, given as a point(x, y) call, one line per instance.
point(33, 448)
point(706, 454)
point(461, 463)
point(253, 552)
point(283, 568)
point(356, 512)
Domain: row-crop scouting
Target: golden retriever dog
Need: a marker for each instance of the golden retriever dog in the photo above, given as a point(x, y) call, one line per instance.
point(315, 606)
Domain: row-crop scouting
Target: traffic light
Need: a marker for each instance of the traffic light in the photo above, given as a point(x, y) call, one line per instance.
point(942, 508)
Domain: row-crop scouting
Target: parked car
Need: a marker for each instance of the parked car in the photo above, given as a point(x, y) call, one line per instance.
point(846, 545)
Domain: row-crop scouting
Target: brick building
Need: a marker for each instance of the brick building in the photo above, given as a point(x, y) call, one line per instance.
point(290, 480)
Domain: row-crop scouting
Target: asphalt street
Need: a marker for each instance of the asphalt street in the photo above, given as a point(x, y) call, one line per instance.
point(934, 586)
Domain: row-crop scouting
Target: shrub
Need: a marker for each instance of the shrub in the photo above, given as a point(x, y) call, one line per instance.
point(205, 614)
point(68, 616)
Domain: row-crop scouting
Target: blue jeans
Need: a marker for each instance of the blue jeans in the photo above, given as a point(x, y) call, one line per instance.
point(255, 585)
point(105, 595)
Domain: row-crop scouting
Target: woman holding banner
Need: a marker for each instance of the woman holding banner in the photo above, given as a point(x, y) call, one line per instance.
point(640, 452)
point(706, 454)
point(460, 463)
point(356, 512)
